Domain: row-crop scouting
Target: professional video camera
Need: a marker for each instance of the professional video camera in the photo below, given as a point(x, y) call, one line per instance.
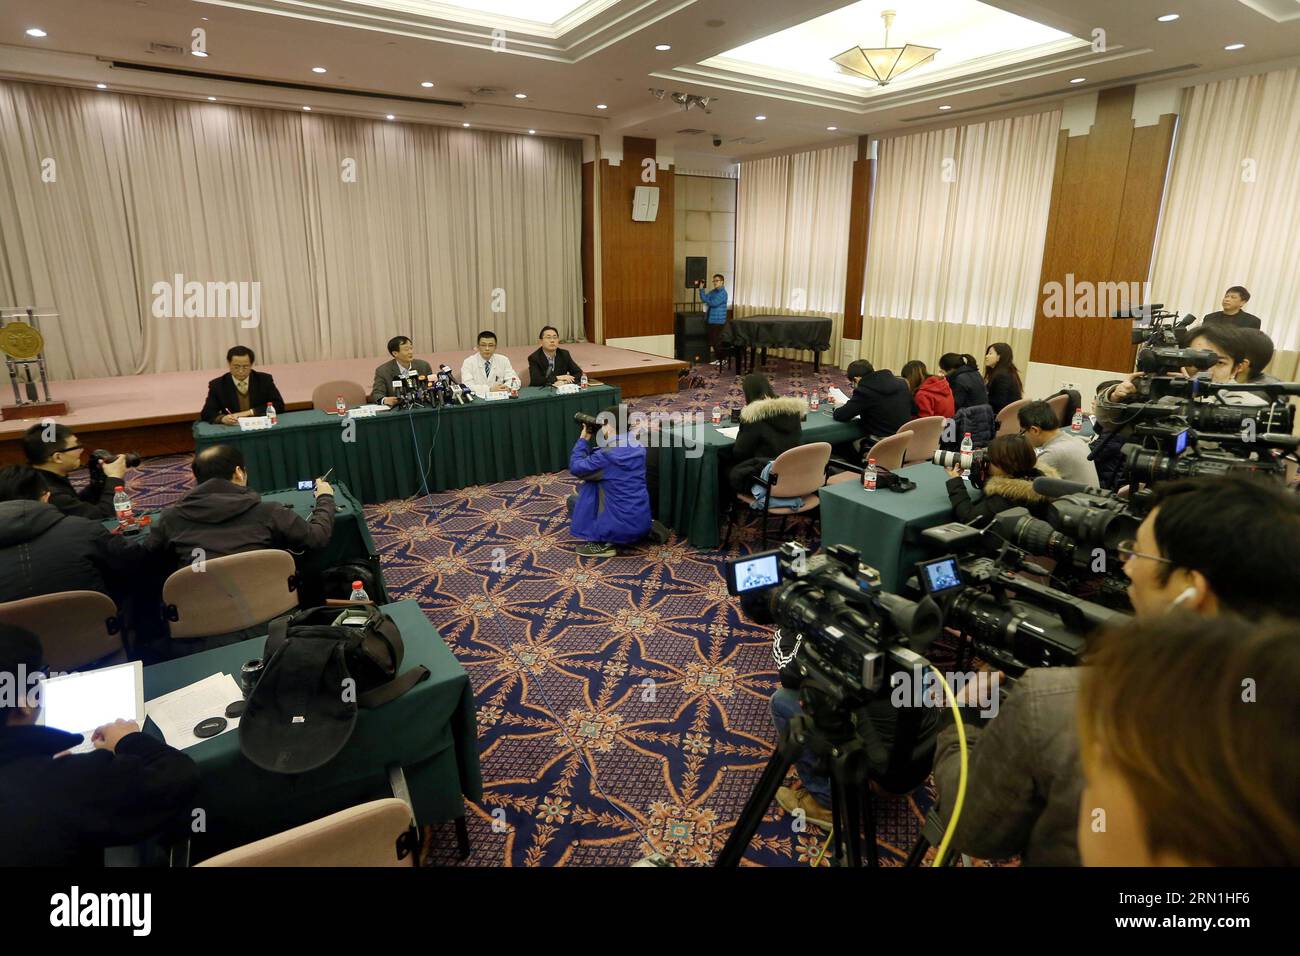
point(1153, 326)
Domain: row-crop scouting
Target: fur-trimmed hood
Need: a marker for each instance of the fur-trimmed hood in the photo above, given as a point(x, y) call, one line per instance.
point(766, 408)
point(1020, 489)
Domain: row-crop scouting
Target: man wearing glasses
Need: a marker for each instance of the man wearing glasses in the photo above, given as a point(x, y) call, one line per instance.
point(55, 452)
point(1210, 546)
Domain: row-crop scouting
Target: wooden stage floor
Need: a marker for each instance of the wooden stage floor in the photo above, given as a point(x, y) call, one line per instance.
point(152, 414)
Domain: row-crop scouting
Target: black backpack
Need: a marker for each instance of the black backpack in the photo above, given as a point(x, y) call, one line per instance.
point(318, 671)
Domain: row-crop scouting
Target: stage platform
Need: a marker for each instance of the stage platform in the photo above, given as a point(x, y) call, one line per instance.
point(153, 414)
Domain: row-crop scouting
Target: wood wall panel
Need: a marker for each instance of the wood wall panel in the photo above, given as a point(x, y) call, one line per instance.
point(588, 251)
point(636, 257)
point(1105, 208)
point(859, 226)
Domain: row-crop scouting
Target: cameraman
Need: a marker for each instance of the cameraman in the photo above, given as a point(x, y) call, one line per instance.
point(1230, 348)
point(612, 505)
point(55, 452)
point(1211, 546)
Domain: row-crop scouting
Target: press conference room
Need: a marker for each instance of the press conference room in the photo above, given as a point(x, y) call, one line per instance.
point(610, 433)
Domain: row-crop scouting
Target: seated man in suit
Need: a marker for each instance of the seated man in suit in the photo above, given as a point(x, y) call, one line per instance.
point(241, 392)
point(403, 364)
point(487, 371)
point(550, 364)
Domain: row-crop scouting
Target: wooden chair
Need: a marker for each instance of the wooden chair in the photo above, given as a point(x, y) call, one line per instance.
point(379, 833)
point(926, 433)
point(797, 473)
point(1058, 403)
point(223, 595)
point(1008, 418)
point(324, 395)
point(76, 628)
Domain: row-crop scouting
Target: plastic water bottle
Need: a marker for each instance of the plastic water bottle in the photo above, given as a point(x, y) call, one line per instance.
point(717, 415)
point(340, 406)
point(359, 595)
point(514, 386)
point(967, 446)
point(583, 382)
point(122, 507)
point(816, 401)
point(869, 475)
point(1076, 425)
point(270, 413)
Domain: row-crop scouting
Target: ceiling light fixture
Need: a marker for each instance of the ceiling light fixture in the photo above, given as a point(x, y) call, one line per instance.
point(307, 109)
point(1235, 46)
point(945, 107)
point(318, 69)
point(212, 99)
point(390, 116)
point(601, 106)
point(521, 96)
point(198, 53)
point(760, 117)
point(532, 132)
point(466, 125)
point(687, 100)
point(1167, 18)
point(885, 63)
point(831, 129)
point(427, 85)
point(1079, 79)
point(101, 86)
point(36, 32)
point(663, 47)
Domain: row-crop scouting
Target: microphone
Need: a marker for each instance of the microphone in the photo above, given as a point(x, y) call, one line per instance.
point(1059, 488)
point(465, 396)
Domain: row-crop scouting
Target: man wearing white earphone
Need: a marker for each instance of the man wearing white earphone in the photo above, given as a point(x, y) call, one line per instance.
point(1210, 546)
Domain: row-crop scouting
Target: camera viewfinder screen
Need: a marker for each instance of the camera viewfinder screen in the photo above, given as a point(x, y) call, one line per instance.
point(941, 575)
point(1180, 443)
point(761, 572)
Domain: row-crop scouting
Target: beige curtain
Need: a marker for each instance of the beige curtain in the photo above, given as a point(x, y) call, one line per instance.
point(958, 225)
point(1232, 210)
point(792, 237)
point(353, 230)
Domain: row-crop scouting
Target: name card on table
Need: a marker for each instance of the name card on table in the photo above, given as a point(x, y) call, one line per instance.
point(567, 388)
point(254, 423)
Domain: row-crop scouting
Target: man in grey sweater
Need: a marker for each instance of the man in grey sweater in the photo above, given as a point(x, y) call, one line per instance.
point(1067, 453)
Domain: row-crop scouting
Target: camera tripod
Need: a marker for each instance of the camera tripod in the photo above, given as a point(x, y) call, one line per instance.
point(853, 751)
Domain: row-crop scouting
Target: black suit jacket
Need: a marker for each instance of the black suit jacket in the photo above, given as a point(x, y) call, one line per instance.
point(223, 399)
point(539, 371)
point(1242, 320)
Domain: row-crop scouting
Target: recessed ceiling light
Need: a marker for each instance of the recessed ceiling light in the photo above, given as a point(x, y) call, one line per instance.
point(1168, 18)
point(198, 53)
point(101, 86)
point(831, 129)
point(532, 132)
point(1079, 79)
point(521, 96)
point(36, 32)
point(663, 47)
point(601, 106)
point(466, 125)
point(427, 85)
point(1235, 46)
point(945, 107)
point(212, 99)
point(318, 69)
point(307, 109)
point(390, 116)
point(760, 116)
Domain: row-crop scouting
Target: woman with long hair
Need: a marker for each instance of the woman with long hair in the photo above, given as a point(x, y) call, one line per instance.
point(1001, 377)
point(932, 394)
point(1013, 465)
point(768, 427)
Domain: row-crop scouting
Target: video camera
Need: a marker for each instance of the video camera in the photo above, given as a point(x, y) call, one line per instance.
point(1153, 326)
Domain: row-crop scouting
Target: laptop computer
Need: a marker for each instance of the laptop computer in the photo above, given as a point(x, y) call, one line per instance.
point(82, 702)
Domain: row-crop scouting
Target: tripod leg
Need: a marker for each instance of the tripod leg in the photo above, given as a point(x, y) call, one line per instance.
point(869, 825)
point(778, 765)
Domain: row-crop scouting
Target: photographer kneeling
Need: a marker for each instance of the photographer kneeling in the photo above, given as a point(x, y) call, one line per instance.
point(612, 505)
point(1212, 546)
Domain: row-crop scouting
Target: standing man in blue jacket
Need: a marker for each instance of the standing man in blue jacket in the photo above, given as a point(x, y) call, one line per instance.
point(716, 300)
point(612, 505)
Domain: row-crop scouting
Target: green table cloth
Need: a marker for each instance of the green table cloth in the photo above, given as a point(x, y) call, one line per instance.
point(886, 526)
point(397, 453)
point(689, 487)
point(430, 732)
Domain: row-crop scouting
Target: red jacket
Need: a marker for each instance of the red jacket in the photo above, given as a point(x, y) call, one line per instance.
point(934, 397)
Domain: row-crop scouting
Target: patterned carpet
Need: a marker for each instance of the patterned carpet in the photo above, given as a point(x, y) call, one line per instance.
point(622, 703)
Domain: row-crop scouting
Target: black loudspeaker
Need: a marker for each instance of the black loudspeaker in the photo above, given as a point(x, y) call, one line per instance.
point(691, 337)
point(697, 270)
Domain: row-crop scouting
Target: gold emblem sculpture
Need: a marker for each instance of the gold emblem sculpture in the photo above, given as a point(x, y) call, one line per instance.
point(20, 341)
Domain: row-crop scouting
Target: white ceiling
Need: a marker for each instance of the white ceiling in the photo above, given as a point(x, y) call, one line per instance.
point(756, 57)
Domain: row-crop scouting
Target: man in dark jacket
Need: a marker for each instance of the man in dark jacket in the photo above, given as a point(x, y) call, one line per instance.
point(241, 392)
point(55, 452)
point(612, 505)
point(881, 399)
point(44, 551)
point(550, 364)
point(965, 381)
point(221, 515)
point(67, 811)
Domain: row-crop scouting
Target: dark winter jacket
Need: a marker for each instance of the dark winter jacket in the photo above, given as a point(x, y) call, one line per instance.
point(224, 518)
point(967, 387)
point(1003, 390)
point(95, 501)
point(43, 551)
point(979, 420)
point(1000, 493)
point(768, 427)
point(934, 397)
point(613, 501)
point(882, 400)
point(66, 812)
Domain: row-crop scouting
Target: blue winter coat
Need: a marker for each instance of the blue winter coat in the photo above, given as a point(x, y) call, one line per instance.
point(716, 300)
point(613, 501)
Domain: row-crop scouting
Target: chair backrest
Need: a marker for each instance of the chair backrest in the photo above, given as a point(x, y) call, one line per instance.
point(1059, 403)
point(925, 438)
point(372, 834)
point(75, 628)
point(800, 471)
point(1009, 418)
point(889, 452)
point(228, 594)
point(324, 395)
